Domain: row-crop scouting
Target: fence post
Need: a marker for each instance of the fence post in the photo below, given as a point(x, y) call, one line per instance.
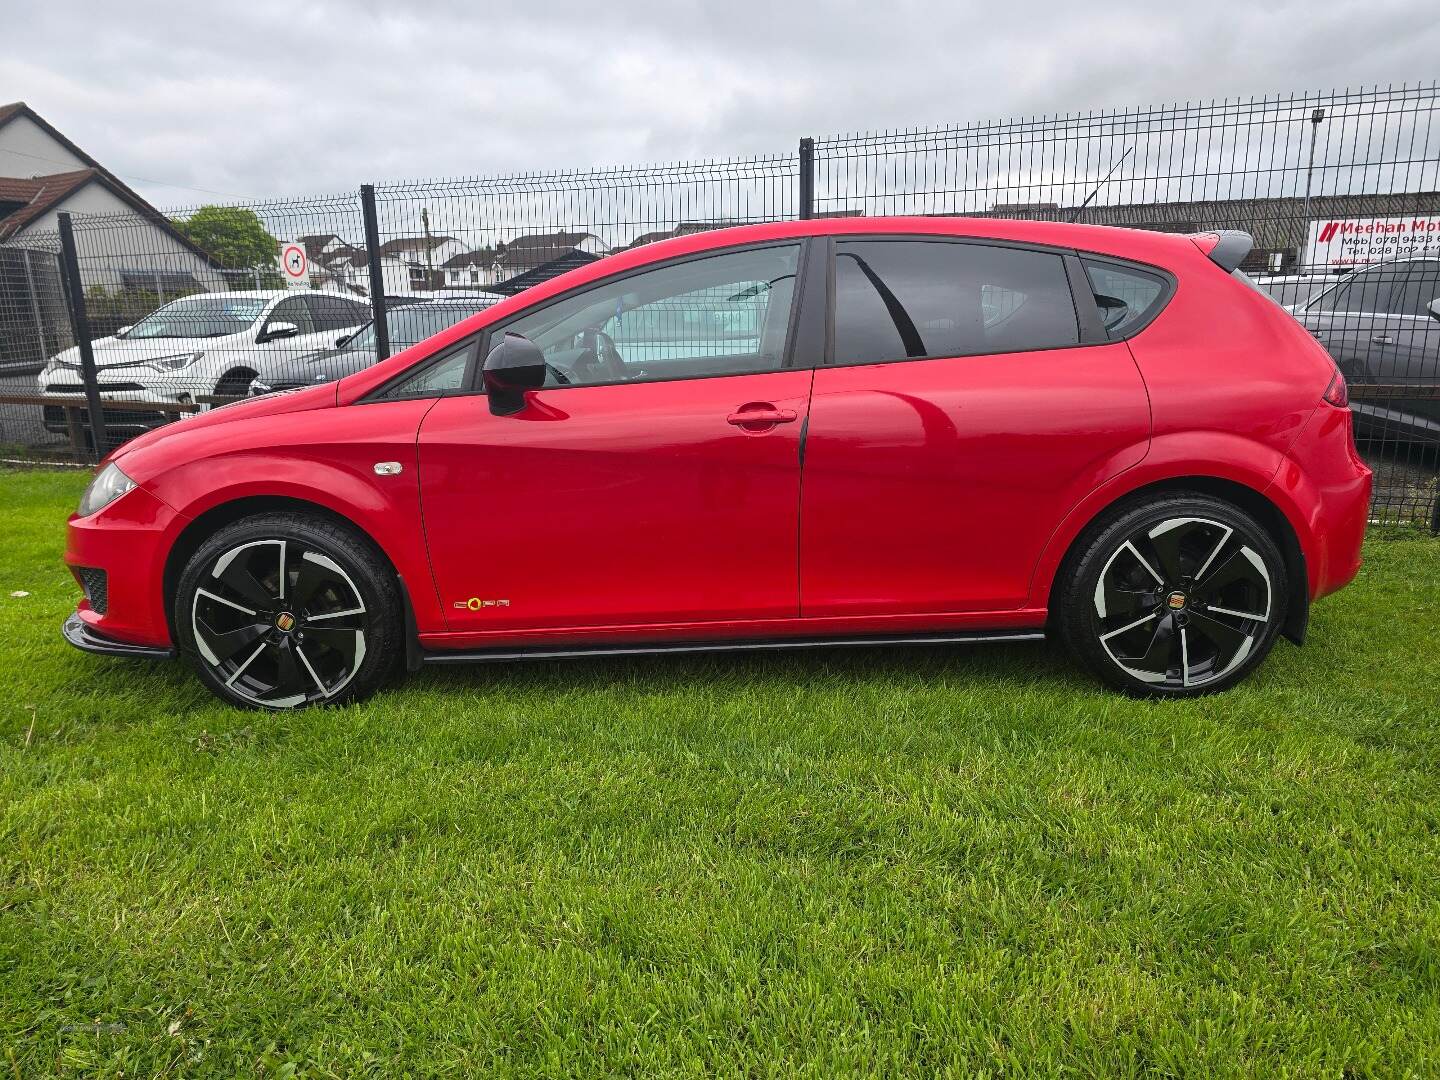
point(377, 272)
point(80, 326)
point(35, 307)
point(807, 179)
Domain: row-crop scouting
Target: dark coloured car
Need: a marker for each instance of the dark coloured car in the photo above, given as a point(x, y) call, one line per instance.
point(408, 325)
point(1382, 326)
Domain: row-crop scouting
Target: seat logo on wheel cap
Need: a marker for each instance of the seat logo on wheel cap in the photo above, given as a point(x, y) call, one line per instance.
point(1176, 600)
point(285, 621)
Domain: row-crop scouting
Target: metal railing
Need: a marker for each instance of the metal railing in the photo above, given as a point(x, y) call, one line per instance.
point(1341, 191)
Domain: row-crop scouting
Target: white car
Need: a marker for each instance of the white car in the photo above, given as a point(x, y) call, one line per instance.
point(208, 344)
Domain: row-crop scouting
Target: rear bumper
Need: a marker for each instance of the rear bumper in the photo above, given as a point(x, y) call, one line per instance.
point(1327, 488)
point(86, 639)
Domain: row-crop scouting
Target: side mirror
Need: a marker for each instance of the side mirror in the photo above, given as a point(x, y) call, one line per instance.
point(1434, 308)
point(277, 330)
point(513, 366)
point(124, 330)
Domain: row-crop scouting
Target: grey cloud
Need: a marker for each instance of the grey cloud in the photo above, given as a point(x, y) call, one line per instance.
point(270, 98)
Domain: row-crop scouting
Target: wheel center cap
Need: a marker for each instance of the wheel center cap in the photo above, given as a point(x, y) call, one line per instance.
point(285, 622)
point(1176, 601)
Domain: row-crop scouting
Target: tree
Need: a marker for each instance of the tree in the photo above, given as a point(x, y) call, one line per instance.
point(234, 237)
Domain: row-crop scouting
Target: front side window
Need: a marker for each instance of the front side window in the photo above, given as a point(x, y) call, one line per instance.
point(292, 311)
point(721, 315)
point(437, 377)
point(904, 299)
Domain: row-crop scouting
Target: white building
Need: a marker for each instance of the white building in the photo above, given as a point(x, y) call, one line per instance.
point(42, 173)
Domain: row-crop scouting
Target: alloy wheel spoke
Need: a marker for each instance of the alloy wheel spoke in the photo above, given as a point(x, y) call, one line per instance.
point(1165, 553)
point(1227, 639)
point(309, 578)
point(289, 679)
point(1225, 572)
point(224, 644)
point(1161, 649)
point(238, 578)
point(342, 640)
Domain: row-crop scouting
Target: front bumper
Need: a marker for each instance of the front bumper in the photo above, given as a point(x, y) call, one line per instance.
point(127, 540)
point(78, 633)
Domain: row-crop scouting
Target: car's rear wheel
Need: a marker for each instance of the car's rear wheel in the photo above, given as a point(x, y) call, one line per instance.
point(284, 610)
point(1173, 597)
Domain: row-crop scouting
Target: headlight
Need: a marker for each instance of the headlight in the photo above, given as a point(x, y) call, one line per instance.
point(174, 363)
point(109, 484)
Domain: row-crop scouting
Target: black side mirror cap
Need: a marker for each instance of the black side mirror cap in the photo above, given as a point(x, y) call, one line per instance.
point(512, 367)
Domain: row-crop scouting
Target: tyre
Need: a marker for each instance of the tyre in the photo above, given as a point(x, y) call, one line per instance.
point(284, 610)
point(1176, 596)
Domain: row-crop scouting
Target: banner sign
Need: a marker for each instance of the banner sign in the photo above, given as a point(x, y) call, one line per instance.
point(1342, 242)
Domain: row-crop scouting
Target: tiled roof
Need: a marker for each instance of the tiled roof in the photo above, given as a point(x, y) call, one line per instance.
point(38, 195)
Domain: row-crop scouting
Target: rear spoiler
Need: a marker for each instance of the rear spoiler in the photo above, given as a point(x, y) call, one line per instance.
point(1227, 248)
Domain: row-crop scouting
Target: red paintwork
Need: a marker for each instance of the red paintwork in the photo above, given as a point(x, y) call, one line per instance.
point(935, 494)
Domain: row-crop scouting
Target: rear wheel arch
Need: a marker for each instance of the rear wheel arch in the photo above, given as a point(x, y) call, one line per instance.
point(1247, 498)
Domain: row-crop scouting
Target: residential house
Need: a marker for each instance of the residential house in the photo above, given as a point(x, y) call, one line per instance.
point(43, 173)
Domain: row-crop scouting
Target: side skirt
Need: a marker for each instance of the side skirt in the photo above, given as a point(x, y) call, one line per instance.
point(580, 652)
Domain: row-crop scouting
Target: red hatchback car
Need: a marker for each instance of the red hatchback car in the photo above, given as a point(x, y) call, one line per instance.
point(864, 431)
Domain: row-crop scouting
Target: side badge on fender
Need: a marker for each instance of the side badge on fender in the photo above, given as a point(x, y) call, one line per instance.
point(475, 603)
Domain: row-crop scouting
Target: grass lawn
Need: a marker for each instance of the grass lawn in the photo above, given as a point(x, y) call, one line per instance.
point(927, 861)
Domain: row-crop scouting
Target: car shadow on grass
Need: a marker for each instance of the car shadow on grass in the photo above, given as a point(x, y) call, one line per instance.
point(994, 666)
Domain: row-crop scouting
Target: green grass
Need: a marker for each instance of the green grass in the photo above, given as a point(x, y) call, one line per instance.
point(926, 861)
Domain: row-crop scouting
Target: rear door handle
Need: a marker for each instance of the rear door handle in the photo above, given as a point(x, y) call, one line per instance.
point(1383, 339)
point(761, 414)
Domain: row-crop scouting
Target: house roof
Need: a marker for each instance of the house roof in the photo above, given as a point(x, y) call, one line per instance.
point(537, 249)
point(484, 257)
point(566, 261)
point(25, 201)
point(414, 243)
point(96, 173)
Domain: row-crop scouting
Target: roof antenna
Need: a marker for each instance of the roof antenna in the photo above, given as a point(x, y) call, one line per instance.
point(1096, 190)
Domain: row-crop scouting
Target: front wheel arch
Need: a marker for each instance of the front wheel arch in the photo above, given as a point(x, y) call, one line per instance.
point(240, 376)
point(217, 517)
point(1269, 515)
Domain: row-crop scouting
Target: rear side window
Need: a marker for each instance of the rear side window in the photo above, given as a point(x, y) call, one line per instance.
point(1126, 295)
point(905, 299)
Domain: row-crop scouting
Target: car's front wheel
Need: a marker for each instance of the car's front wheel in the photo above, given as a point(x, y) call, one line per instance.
point(283, 610)
point(1172, 597)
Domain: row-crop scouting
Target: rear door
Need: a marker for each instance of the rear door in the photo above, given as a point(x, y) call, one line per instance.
point(967, 409)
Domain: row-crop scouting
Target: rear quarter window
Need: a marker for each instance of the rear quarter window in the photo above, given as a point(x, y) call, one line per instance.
point(1127, 296)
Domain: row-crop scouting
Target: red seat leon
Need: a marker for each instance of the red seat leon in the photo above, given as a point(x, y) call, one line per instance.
point(863, 431)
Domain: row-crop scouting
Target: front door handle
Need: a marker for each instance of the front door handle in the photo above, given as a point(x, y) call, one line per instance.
point(760, 416)
point(1382, 339)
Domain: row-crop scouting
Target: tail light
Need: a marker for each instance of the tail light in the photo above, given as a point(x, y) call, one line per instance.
point(1337, 393)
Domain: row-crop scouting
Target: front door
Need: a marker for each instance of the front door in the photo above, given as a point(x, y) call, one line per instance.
point(653, 481)
point(962, 417)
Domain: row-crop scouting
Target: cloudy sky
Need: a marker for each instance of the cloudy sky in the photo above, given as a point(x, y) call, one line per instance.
point(261, 98)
